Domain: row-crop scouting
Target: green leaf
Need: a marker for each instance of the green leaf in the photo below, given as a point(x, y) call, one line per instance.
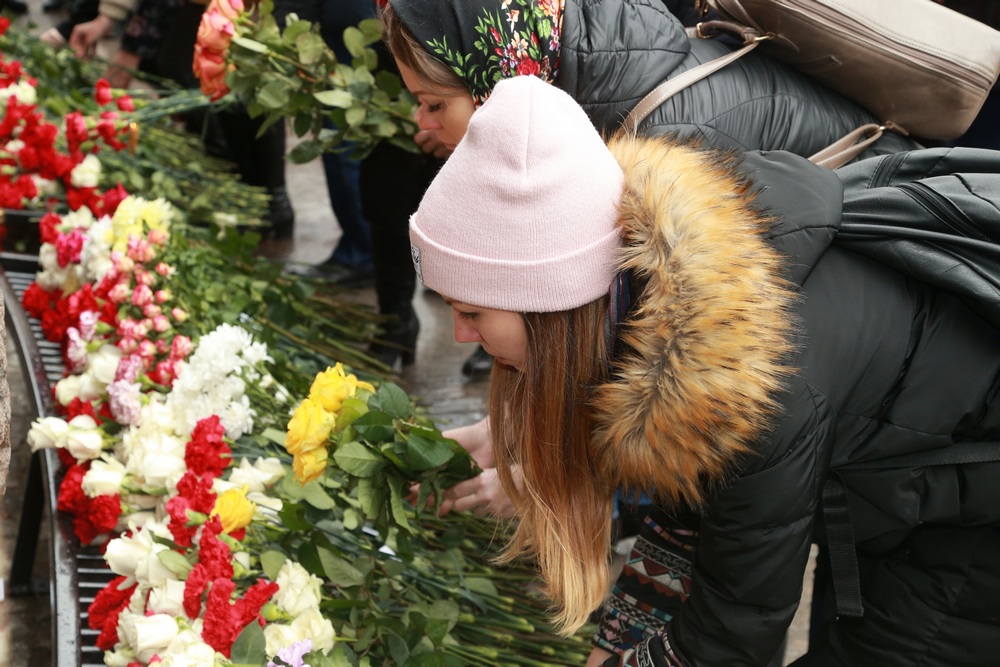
point(391, 400)
point(342, 656)
point(355, 42)
point(314, 494)
point(396, 504)
point(398, 649)
point(175, 562)
point(339, 571)
point(425, 453)
point(352, 520)
point(357, 459)
point(356, 116)
point(250, 44)
point(389, 83)
point(248, 649)
point(311, 48)
point(274, 435)
point(305, 151)
point(335, 98)
point(271, 563)
point(274, 94)
point(434, 659)
point(374, 426)
point(370, 497)
point(371, 29)
point(350, 410)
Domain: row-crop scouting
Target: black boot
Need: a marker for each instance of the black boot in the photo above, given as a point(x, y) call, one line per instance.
point(281, 213)
point(392, 183)
point(398, 342)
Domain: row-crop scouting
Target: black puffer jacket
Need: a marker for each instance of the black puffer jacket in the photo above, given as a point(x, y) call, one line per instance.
point(616, 51)
point(873, 365)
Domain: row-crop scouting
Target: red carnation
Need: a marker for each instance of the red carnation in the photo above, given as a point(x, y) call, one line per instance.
point(194, 588)
point(78, 407)
point(213, 553)
point(248, 607)
point(218, 631)
point(198, 491)
point(104, 611)
point(207, 452)
point(177, 508)
point(37, 301)
point(68, 247)
point(48, 227)
point(4, 24)
point(71, 496)
point(102, 92)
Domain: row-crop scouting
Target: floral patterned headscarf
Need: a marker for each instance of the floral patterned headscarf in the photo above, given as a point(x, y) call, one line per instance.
point(485, 41)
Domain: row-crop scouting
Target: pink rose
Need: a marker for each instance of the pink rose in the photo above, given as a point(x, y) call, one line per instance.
point(211, 69)
point(216, 31)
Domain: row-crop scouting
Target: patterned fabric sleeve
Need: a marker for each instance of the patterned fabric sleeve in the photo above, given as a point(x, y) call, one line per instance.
point(654, 583)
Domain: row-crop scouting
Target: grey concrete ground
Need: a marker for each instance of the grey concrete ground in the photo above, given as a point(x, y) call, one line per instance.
point(435, 378)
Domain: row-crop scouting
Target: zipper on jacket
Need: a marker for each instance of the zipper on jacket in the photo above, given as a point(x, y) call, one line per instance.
point(827, 18)
point(943, 209)
point(886, 169)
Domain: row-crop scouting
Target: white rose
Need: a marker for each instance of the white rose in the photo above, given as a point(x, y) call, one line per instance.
point(84, 441)
point(277, 636)
point(168, 598)
point(299, 590)
point(87, 173)
point(158, 470)
point(103, 364)
point(89, 388)
point(188, 650)
point(104, 477)
point(44, 186)
point(121, 657)
point(149, 635)
point(266, 502)
point(313, 625)
point(67, 389)
point(257, 477)
point(47, 432)
point(124, 553)
point(23, 91)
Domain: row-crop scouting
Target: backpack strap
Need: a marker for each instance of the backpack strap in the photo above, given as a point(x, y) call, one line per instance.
point(837, 513)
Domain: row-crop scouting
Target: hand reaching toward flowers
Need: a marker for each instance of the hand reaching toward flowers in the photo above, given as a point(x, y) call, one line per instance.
point(482, 494)
point(429, 143)
point(85, 36)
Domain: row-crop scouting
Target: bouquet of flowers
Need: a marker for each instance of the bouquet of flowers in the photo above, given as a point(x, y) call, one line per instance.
point(289, 72)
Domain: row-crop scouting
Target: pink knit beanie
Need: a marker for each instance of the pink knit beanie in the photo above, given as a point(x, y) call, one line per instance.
point(522, 217)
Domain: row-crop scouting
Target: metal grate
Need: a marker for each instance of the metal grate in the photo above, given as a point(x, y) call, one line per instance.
point(77, 573)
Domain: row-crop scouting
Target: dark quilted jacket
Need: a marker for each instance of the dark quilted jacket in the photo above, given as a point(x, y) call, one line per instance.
point(616, 51)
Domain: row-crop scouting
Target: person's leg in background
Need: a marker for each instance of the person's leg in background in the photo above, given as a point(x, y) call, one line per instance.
point(352, 259)
point(392, 184)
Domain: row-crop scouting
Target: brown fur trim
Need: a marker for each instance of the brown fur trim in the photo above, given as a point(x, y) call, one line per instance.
point(711, 331)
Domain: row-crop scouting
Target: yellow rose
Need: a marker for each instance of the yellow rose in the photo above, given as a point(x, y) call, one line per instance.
point(332, 386)
point(309, 465)
point(309, 427)
point(233, 509)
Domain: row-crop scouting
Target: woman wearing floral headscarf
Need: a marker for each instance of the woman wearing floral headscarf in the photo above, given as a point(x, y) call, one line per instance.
point(607, 54)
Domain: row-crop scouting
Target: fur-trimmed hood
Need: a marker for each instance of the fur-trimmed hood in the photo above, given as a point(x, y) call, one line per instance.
point(712, 332)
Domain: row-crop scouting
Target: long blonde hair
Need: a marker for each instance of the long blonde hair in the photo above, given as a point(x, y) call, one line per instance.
point(540, 422)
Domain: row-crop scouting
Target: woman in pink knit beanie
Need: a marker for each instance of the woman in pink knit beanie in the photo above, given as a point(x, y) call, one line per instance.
point(678, 322)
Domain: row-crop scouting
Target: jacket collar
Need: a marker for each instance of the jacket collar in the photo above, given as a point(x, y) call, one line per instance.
point(707, 341)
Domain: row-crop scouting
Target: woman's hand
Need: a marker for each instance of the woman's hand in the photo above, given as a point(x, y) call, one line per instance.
point(482, 495)
point(598, 657)
point(428, 142)
point(475, 438)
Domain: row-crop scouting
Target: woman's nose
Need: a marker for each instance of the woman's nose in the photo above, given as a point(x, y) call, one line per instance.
point(464, 332)
point(425, 121)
